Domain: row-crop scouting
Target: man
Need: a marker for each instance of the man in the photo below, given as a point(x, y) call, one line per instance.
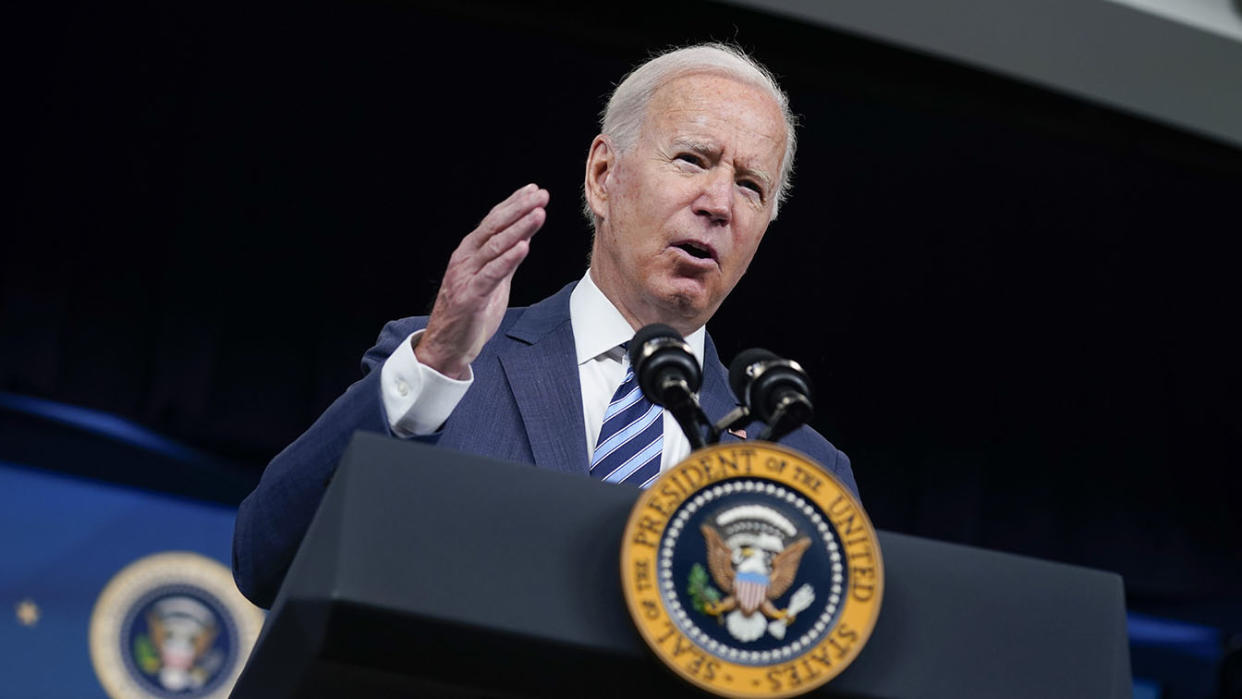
point(692, 162)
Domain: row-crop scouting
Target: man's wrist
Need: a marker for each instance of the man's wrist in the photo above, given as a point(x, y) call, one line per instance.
point(418, 398)
point(428, 355)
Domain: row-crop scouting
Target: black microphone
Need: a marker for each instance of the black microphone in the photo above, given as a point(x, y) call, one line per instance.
point(775, 390)
point(670, 376)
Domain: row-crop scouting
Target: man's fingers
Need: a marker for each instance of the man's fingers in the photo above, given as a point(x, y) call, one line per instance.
point(506, 213)
point(501, 268)
point(521, 229)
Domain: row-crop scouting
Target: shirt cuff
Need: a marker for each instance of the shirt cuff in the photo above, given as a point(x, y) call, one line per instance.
point(417, 398)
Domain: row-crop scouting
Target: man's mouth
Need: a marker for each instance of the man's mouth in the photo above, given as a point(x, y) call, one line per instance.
point(696, 250)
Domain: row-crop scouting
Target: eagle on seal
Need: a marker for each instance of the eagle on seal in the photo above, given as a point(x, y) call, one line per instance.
point(750, 575)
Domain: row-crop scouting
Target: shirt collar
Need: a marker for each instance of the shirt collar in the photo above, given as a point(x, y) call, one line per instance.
point(599, 327)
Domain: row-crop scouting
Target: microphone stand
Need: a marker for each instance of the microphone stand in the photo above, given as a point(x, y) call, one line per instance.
point(775, 430)
point(735, 419)
point(676, 395)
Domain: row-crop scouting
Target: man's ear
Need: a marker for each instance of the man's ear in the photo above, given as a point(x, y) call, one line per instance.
point(601, 162)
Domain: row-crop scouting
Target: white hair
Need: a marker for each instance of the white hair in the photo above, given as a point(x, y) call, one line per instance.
point(622, 119)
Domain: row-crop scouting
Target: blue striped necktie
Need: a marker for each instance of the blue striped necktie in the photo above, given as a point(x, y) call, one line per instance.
point(631, 439)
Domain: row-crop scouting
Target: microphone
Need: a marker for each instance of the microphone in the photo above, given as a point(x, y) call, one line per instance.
point(775, 390)
point(670, 376)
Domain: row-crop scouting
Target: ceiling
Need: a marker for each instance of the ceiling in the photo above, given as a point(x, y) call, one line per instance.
point(1175, 61)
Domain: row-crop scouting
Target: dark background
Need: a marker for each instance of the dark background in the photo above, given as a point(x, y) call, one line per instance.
point(1019, 308)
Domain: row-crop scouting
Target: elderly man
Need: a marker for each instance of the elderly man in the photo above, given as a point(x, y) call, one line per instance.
point(691, 165)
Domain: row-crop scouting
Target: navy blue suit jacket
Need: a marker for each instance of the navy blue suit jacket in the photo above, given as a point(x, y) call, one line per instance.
point(525, 405)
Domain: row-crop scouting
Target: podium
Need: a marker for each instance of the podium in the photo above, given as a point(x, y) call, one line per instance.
point(428, 572)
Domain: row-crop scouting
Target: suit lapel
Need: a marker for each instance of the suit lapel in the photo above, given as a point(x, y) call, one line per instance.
point(542, 371)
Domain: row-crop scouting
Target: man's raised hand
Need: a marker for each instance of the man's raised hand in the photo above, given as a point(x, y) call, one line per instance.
point(475, 291)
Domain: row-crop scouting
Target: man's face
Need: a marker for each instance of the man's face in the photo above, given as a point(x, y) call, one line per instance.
point(682, 212)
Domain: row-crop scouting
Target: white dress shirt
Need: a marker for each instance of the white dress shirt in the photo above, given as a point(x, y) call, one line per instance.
point(418, 399)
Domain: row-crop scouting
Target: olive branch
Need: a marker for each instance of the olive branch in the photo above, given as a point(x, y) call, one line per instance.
point(700, 589)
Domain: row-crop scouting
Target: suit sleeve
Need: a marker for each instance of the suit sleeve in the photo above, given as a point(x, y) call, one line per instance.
point(272, 520)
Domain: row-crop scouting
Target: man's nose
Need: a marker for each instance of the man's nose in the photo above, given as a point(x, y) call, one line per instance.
point(715, 201)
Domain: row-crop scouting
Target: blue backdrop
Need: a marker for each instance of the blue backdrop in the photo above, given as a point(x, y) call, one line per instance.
point(65, 538)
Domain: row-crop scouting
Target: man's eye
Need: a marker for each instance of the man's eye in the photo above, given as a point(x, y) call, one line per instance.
point(753, 186)
point(691, 158)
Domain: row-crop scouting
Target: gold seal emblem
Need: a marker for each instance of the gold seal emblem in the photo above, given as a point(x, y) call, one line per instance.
point(172, 623)
point(751, 571)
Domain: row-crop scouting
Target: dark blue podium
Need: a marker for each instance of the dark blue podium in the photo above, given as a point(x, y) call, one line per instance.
point(432, 573)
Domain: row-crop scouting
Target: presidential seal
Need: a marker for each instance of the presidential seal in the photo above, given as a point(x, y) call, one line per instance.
point(751, 571)
point(172, 625)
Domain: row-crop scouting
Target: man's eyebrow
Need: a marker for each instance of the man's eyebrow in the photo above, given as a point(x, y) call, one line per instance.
point(709, 150)
point(694, 145)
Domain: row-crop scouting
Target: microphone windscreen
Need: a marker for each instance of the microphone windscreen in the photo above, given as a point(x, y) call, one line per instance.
point(647, 333)
point(737, 369)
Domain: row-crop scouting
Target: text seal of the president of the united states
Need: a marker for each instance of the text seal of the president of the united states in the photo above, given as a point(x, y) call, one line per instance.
point(751, 571)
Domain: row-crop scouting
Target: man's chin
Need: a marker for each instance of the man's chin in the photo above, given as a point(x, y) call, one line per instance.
point(685, 303)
